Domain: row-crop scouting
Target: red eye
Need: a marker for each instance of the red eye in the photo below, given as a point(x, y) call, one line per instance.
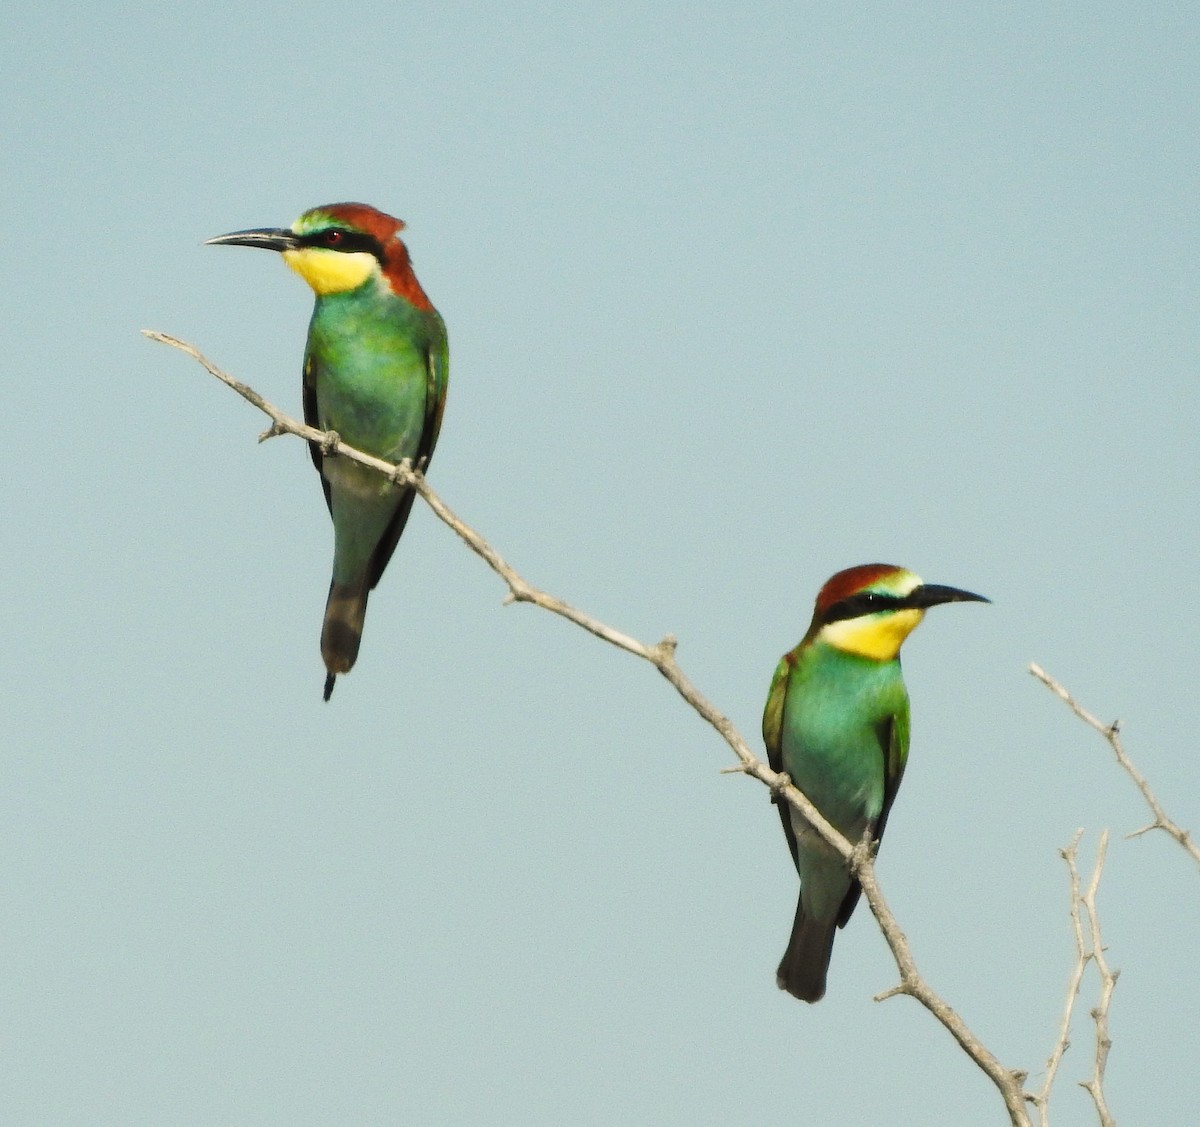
point(333, 238)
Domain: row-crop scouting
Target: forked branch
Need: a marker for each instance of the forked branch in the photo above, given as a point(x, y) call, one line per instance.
point(1088, 949)
point(1112, 734)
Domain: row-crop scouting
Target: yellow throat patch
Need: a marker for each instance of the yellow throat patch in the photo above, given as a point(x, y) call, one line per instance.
point(876, 637)
point(331, 271)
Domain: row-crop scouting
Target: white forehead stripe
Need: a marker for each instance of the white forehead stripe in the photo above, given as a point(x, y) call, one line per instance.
point(906, 583)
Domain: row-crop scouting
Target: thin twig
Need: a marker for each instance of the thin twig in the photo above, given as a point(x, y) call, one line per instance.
point(662, 657)
point(1108, 982)
point(1111, 733)
point(1041, 1100)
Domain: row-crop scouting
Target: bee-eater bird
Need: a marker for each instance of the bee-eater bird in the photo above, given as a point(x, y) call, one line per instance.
point(375, 371)
point(837, 723)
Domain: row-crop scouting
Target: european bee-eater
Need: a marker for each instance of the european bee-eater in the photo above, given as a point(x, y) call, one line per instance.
point(375, 371)
point(837, 723)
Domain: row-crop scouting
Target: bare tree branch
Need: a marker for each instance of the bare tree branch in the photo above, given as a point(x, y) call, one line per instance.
point(662, 657)
point(1009, 1083)
point(1111, 733)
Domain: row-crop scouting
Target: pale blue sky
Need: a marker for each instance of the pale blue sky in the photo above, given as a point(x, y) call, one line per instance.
point(737, 295)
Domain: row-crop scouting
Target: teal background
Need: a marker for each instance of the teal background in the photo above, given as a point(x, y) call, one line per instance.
point(738, 295)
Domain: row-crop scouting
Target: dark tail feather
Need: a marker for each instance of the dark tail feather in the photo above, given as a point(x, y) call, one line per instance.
point(345, 610)
point(806, 960)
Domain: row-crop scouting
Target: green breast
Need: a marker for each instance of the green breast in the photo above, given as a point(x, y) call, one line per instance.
point(371, 359)
point(835, 707)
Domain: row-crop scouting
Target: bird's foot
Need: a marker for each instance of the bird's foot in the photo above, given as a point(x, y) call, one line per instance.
point(865, 849)
point(330, 442)
point(782, 780)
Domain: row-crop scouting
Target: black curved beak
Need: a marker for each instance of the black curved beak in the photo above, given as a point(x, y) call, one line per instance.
point(268, 238)
point(934, 594)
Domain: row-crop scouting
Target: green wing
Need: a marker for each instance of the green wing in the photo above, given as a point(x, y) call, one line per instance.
point(772, 721)
point(772, 730)
point(893, 745)
point(893, 742)
point(309, 394)
point(437, 371)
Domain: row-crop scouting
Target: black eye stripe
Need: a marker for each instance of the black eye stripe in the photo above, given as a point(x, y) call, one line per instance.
point(344, 240)
point(867, 602)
